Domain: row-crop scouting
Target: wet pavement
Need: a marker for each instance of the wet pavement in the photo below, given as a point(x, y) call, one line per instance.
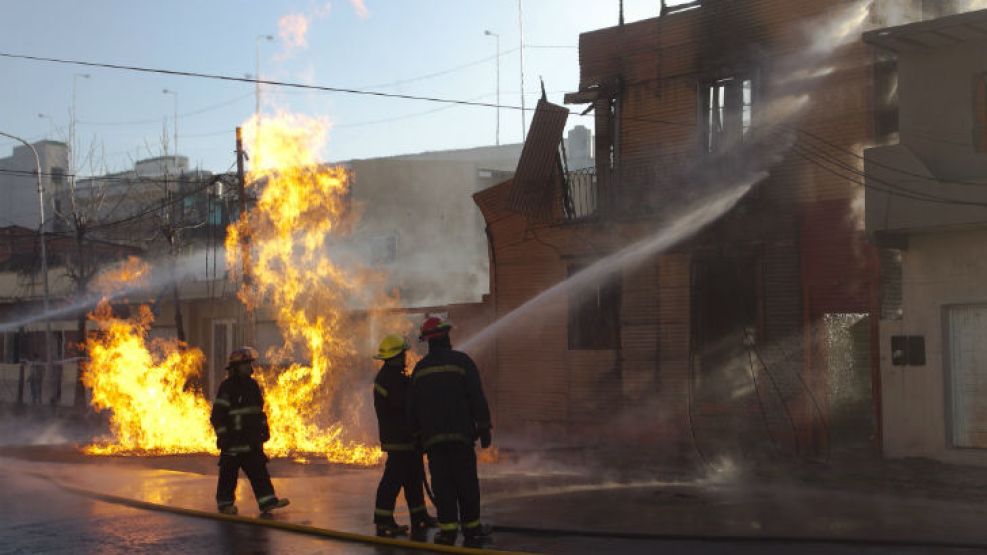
point(533, 494)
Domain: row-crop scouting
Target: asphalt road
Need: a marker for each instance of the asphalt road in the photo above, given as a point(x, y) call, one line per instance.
point(39, 517)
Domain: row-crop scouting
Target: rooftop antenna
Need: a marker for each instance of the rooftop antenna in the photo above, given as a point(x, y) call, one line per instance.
point(621, 12)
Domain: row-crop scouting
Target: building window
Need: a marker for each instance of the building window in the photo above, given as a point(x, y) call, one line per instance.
point(672, 6)
point(886, 96)
point(728, 111)
point(594, 315)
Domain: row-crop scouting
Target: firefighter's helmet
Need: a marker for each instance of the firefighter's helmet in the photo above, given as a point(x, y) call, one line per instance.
point(242, 354)
point(433, 328)
point(391, 346)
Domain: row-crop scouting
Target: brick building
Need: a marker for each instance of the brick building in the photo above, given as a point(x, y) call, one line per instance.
point(752, 336)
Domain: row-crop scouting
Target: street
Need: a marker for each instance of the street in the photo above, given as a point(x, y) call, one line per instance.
point(46, 518)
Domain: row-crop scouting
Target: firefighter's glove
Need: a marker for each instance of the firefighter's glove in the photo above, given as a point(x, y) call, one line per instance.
point(222, 442)
point(485, 438)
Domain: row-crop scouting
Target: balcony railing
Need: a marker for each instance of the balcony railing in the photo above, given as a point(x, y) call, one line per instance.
point(580, 197)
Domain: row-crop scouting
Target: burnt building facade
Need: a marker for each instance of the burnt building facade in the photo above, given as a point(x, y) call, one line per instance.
point(741, 330)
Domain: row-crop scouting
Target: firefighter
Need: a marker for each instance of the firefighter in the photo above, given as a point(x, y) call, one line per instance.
point(404, 468)
point(241, 430)
point(449, 412)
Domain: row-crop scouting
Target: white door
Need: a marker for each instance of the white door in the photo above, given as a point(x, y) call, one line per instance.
point(223, 337)
point(967, 329)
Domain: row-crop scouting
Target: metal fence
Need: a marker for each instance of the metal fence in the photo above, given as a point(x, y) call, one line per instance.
point(30, 384)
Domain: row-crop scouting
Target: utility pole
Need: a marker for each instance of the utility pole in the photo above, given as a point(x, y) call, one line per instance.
point(520, 26)
point(44, 252)
point(174, 125)
point(496, 36)
point(248, 335)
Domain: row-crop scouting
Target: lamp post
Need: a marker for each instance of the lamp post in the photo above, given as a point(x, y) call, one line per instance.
point(520, 26)
point(75, 85)
point(174, 124)
point(497, 37)
point(51, 123)
point(257, 42)
point(44, 250)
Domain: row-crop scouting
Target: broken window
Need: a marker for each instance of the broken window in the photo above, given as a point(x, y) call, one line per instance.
point(672, 6)
point(728, 111)
point(594, 315)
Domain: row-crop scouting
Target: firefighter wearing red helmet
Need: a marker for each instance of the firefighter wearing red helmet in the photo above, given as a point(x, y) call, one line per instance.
point(241, 430)
point(449, 412)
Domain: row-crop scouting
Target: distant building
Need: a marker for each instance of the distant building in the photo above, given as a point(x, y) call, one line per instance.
point(418, 219)
point(19, 186)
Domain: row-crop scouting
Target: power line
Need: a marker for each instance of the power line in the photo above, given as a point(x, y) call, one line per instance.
point(148, 121)
point(303, 86)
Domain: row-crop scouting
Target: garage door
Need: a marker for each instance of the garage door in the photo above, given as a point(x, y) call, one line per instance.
point(968, 375)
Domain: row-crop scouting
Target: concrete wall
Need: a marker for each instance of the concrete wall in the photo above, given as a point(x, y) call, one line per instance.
point(939, 269)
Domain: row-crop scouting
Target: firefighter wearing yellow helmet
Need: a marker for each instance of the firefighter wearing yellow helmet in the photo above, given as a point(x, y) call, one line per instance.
point(241, 430)
point(404, 468)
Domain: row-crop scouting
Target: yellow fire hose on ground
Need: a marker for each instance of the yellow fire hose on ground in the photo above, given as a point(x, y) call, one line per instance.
point(275, 524)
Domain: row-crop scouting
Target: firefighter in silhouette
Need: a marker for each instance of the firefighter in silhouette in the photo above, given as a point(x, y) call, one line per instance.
point(449, 412)
point(241, 430)
point(404, 468)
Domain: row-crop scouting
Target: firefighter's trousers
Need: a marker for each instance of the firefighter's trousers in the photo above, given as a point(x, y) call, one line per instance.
point(403, 469)
point(455, 485)
point(254, 465)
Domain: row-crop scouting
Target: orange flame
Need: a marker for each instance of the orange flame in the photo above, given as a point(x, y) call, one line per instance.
point(144, 382)
point(284, 246)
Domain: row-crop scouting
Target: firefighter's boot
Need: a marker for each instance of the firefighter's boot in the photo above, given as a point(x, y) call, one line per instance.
point(277, 503)
point(390, 529)
point(446, 537)
point(424, 522)
point(478, 535)
point(229, 509)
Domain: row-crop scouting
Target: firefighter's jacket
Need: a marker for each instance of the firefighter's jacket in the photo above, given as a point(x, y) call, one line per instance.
point(391, 404)
point(238, 416)
point(447, 402)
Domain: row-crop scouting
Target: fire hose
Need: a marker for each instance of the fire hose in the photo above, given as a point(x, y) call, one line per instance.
point(521, 530)
point(275, 524)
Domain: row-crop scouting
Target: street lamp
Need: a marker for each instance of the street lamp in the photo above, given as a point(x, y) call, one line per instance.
point(174, 124)
point(75, 84)
point(257, 73)
point(496, 36)
point(520, 26)
point(44, 250)
point(51, 123)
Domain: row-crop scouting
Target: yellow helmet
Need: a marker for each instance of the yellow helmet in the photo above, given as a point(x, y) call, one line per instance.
point(391, 346)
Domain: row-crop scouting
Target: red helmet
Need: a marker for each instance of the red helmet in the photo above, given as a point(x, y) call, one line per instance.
point(434, 327)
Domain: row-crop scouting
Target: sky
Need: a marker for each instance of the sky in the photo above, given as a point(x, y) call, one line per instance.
point(394, 46)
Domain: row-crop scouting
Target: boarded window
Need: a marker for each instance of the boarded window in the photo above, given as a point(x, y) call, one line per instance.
point(594, 315)
point(728, 111)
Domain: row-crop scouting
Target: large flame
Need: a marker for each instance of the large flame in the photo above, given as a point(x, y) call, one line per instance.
point(144, 383)
point(301, 204)
point(283, 247)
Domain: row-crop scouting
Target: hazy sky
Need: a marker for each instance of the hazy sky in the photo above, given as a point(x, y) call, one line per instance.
point(375, 45)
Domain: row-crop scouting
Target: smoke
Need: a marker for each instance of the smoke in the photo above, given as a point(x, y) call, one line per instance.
point(360, 8)
point(293, 31)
